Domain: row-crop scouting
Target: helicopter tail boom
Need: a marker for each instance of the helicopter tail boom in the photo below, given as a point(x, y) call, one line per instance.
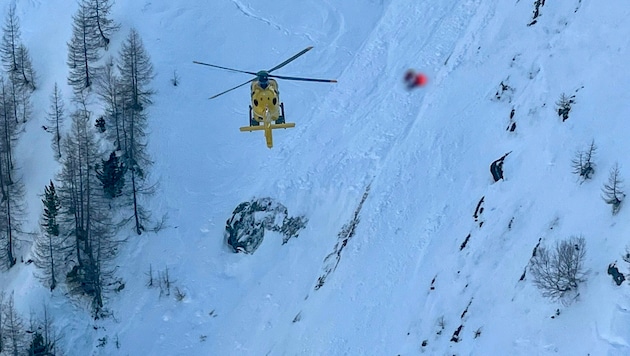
point(267, 128)
point(272, 126)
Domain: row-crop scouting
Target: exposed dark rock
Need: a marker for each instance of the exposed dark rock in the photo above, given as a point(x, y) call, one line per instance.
point(496, 168)
point(617, 276)
point(245, 230)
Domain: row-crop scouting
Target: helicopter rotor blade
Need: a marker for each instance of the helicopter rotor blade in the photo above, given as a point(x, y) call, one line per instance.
point(290, 59)
point(225, 68)
point(229, 90)
point(304, 79)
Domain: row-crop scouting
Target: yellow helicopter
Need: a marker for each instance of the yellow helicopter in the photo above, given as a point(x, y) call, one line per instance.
point(266, 107)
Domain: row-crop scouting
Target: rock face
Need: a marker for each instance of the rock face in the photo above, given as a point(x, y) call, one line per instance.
point(245, 230)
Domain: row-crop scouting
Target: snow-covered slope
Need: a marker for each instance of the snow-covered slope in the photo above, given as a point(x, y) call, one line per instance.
point(407, 168)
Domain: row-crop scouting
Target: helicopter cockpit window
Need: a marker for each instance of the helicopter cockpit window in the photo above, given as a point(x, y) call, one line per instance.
point(255, 102)
point(274, 101)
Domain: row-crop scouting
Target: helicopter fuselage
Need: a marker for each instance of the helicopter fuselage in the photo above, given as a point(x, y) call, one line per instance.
point(265, 100)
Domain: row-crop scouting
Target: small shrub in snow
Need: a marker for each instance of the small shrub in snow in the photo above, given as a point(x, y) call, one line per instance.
point(441, 323)
point(582, 163)
point(102, 342)
point(504, 92)
point(613, 191)
point(150, 280)
point(175, 79)
point(478, 332)
point(564, 105)
point(179, 294)
point(558, 272)
point(165, 282)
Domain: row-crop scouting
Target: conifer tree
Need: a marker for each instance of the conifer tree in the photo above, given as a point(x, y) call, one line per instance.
point(17, 64)
point(86, 211)
point(48, 245)
point(13, 330)
point(613, 193)
point(83, 50)
point(38, 346)
point(56, 117)
point(26, 73)
point(112, 176)
point(136, 73)
point(43, 336)
point(109, 91)
point(11, 212)
point(102, 23)
point(2, 336)
point(8, 130)
point(15, 57)
point(22, 100)
point(11, 41)
point(11, 204)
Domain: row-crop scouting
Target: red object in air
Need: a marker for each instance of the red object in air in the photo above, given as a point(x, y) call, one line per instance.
point(421, 79)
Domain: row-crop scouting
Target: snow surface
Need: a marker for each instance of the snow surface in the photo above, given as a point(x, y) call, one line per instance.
point(424, 154)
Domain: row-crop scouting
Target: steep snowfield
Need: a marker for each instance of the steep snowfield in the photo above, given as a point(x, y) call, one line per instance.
point(424, 155)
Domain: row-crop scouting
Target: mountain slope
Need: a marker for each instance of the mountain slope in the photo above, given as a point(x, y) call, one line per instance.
point(424, 155)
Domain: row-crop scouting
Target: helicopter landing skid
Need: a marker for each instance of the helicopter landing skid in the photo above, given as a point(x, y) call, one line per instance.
point(280, 119)
point(252, 122)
